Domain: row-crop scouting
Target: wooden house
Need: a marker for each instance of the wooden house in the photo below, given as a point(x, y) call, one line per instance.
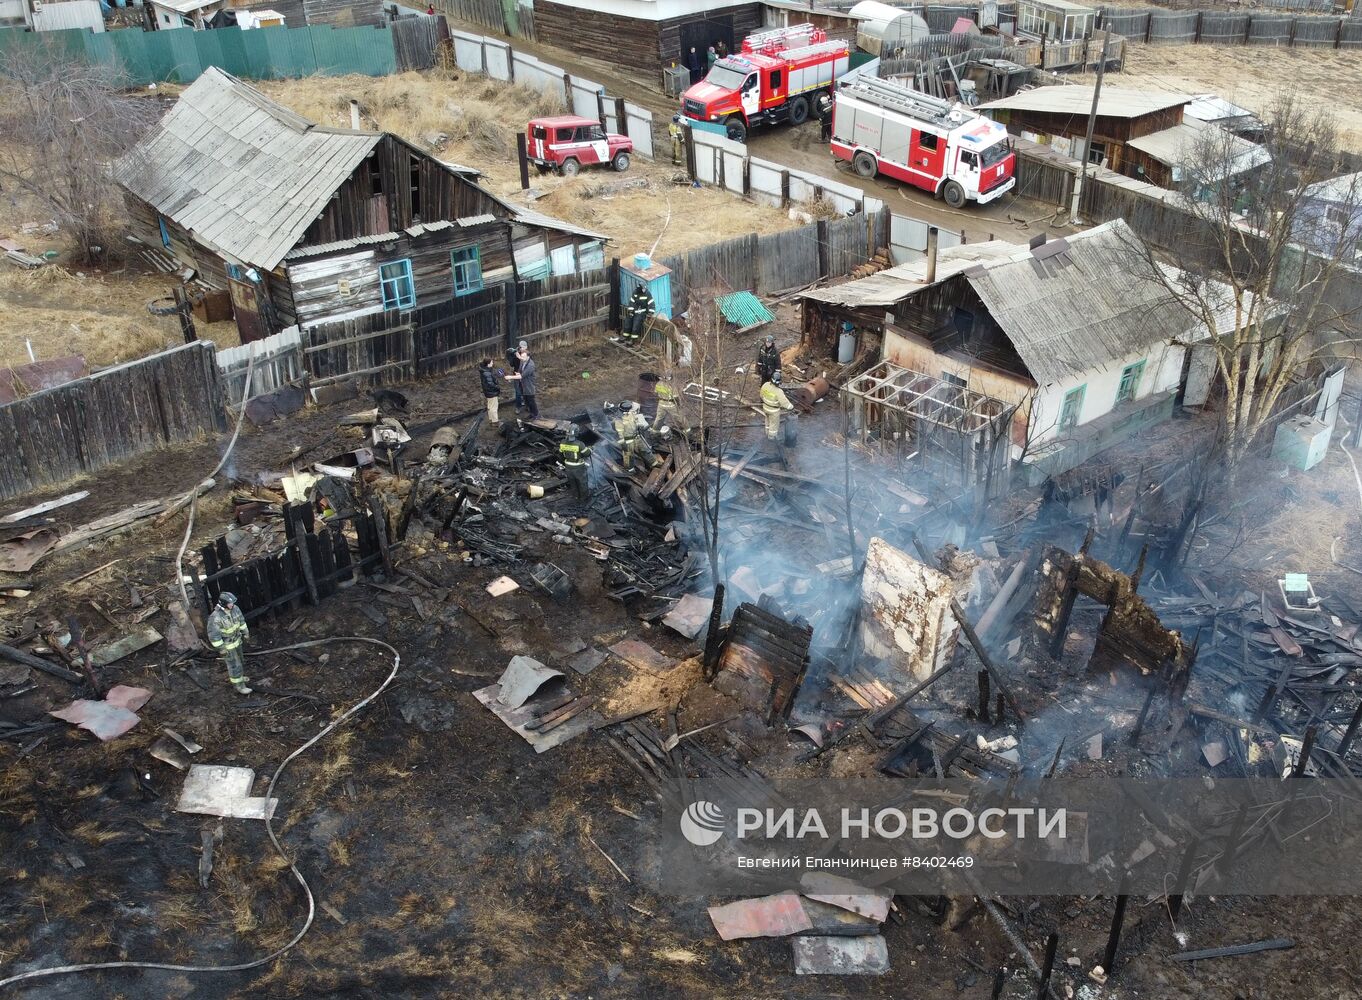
point(645, 35)
point(1058, 116)
point(308, 224)
point(1074, 333)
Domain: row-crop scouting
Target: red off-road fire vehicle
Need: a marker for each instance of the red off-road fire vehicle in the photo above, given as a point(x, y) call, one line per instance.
point(566, 143)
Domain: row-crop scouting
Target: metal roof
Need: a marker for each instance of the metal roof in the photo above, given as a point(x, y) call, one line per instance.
point(1080, 303)
point(420, 229)
point(1114, 102)
point(1069, 306)
point(1179, 145)
point(243, 174)
point(530, 217)
point(891, 286)
point(1214, 108)
point(1346, 188)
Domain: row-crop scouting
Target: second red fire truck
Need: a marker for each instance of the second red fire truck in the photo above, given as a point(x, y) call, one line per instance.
point(777, 77)
point(932, 144)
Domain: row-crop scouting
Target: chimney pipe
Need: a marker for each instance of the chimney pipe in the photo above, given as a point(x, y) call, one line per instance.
point(932, 234)
point(354, 115)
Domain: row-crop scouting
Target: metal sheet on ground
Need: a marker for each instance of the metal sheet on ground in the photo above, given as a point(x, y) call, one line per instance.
point(99, 717)
point(518, 718)
point(841, 956)
point(223, 790)
point(766, 916)
point(690, 616)
point(522, 679)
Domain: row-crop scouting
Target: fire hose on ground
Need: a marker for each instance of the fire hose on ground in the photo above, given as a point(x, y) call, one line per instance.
point(269, 829)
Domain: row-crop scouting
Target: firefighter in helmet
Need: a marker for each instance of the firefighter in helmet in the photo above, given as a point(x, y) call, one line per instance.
point(639, 310)
point(669, 406)
point(773, 402)
point(227, 630)
point(629, 426)
point(574, 455)
point(768, 359)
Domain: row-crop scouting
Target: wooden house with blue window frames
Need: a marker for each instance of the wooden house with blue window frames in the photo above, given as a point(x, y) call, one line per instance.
point(308, 224)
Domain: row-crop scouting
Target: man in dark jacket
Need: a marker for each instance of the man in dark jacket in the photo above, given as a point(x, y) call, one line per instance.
point(641, 306)
point(768, 359)
point(526, 379)
point(513, 367)
point(491, 391)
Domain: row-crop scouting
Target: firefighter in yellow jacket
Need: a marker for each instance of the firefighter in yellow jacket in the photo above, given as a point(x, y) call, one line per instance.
point(773, 401)
point(630, 428)
point(669, 406)
point(227, 630)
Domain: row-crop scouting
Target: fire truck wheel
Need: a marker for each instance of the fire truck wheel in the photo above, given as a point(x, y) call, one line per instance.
point(737, 129)
point(570, 167)
point(954, 194)
point(621, 161)
point(864, 164)
point(799, 111)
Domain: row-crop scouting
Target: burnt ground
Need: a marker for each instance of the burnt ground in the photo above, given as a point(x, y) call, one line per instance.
point(449, 859)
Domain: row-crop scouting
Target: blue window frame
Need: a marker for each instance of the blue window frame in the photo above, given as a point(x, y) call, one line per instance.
point(1073, 408)
point(467, 267)
point(165, 233)
point(1130, 382)
point(399, 290)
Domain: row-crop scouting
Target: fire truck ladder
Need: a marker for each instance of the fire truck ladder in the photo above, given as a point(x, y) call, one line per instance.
point(780, 39)
point(896, 98)
point(822, 48)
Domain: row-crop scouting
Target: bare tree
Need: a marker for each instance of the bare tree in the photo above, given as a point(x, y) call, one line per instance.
point(714, 421)
point(64, 124)
point(1262, 263)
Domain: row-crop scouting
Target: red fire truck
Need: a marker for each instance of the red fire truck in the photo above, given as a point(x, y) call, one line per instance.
point(777, 77)
point(947, 149)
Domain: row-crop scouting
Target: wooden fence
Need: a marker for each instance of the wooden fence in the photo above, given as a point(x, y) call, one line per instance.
point(778, 262)
point(314, 563)
point(401, 346)
point(83, 426)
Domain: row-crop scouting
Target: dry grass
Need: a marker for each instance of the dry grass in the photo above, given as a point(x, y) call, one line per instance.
point(1254, 78)
point(474, 121)
point(91, 832)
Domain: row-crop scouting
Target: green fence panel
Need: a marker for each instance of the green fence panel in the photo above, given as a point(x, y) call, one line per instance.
point(354, 50)
point(127, 52)
point(255, 52)
point(280, 50)
point(303, 60)
point(182, 54)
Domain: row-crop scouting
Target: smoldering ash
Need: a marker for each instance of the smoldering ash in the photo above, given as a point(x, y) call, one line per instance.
point(922, 823)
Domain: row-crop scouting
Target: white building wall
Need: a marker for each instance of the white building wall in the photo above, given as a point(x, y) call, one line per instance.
point(1162, 371)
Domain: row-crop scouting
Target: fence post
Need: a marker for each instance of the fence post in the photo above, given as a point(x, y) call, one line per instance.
point(600, 109)
point(823, 248)
point(512, 313)
point(622, 118)
point(614, 293)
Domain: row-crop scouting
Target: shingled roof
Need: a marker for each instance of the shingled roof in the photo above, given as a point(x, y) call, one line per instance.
point(243, 174)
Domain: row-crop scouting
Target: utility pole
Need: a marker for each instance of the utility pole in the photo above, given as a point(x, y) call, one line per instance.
point(1092, 123)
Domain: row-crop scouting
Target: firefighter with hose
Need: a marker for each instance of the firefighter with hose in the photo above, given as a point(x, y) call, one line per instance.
point(227, 630)
point(773, 402)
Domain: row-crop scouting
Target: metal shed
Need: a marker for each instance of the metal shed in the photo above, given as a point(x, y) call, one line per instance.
point(880, 28)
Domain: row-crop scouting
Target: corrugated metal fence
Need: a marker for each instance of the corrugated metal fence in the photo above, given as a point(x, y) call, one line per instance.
point(497, 59)
point(1160, 26)
point(83, 426)
point(144, 57)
